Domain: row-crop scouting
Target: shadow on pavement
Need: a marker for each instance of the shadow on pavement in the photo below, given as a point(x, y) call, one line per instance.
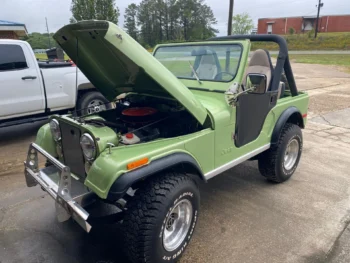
point(19, 132)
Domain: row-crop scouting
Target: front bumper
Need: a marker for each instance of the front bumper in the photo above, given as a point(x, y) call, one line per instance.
point(70, 195)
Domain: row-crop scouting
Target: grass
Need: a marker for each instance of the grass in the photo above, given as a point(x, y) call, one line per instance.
point(339, 60)
point(324, 41)
point(323, 59)
point(182, 68)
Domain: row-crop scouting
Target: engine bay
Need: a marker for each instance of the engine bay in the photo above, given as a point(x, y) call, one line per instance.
point(138, 119)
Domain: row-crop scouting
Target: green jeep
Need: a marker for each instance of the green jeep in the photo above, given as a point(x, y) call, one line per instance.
point(175, 119)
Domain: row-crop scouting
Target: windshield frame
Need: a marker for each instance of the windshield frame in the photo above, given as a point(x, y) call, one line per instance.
point(204, 44)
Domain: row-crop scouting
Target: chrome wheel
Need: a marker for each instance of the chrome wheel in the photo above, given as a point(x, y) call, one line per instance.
point(177, 225)
point(95, 106)
point(291, 154)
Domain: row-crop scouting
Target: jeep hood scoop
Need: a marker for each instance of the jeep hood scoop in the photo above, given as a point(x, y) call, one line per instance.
point(115, 63)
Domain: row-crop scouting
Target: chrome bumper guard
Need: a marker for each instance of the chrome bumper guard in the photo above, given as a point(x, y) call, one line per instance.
point(56, 181)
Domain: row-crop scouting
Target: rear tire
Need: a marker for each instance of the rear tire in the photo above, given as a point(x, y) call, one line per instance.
point(279, 163)
point(88, 101)
point(160, 219)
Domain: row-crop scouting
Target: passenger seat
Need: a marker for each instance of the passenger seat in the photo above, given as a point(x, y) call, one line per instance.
point(261, 63)
point(207, 68)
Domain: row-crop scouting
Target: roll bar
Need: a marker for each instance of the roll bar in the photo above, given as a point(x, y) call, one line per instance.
point(282, 59)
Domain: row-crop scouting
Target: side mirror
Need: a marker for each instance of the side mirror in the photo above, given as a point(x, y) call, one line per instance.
point(256, 83)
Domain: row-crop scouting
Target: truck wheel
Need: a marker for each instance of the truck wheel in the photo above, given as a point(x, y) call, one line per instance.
point(280, 162)
point(160, 219)
point(89, 101)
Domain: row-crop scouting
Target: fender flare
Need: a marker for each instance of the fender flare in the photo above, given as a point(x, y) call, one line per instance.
point(291, 113)
point(126, 180)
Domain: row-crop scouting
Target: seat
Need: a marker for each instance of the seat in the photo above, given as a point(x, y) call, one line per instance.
point(281, 90)
point(207, 68)
point(260, 63)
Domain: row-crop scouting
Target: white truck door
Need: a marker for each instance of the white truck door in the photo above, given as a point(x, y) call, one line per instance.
point(21, 87)
point(60, 85)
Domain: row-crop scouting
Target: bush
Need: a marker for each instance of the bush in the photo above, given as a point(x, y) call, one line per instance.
point(311, 33)
point(325, 41)
point(291, 31)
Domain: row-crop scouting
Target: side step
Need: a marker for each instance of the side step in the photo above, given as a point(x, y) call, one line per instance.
point(22, 121)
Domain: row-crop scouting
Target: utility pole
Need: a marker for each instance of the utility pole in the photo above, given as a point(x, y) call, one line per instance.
point(48, 33)
point(318, 16)
point(230, 14)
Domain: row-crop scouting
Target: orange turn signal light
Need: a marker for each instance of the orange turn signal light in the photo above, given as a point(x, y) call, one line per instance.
point(137, 163)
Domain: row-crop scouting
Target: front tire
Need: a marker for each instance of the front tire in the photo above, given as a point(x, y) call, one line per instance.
point(90, 102)
point(160, 219)
point(279, 163)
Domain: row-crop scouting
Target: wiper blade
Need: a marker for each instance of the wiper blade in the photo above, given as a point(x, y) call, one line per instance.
point(194, 72)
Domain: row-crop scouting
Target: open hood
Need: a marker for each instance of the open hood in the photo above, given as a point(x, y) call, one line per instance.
point(115, 63)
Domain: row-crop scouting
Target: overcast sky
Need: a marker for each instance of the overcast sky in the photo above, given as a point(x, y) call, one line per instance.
point(33, 12)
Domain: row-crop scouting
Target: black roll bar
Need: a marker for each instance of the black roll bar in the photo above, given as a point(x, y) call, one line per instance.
point(282, 59)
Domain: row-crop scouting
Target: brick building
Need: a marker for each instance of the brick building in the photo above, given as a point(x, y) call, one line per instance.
point(12, 30)
point(301, 24)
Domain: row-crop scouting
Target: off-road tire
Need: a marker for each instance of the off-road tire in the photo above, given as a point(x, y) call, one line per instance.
point(271, 162)
point(146, 214)
point(84, 101)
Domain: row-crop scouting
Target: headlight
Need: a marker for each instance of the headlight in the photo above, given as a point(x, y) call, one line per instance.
point(88, 146)
point(55, 130)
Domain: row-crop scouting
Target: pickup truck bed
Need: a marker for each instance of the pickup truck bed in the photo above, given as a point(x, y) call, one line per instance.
point(54, 64)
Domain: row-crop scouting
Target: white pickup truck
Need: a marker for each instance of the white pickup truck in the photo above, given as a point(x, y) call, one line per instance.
point(32, 90)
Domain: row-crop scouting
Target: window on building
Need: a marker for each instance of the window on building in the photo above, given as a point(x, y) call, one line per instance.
point(12, 58)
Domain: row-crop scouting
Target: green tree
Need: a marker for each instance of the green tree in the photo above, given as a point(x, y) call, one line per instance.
point(145, 21)
point(130, 20)
point(171, 16)
point(174, 20)
point(94, 9)
point(40, 41)
point(242, 24)
point(196, 19)
point(291, 31)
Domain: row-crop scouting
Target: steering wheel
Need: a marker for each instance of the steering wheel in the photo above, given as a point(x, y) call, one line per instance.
point(224, 72)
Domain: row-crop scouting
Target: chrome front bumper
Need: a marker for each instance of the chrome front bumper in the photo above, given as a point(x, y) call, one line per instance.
point(70, 195)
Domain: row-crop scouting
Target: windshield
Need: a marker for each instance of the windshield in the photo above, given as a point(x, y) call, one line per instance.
point(217, 62)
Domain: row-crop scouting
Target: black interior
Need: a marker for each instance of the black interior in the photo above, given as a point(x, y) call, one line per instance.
point(252, 110)
point(73, 155)
point(283, 63)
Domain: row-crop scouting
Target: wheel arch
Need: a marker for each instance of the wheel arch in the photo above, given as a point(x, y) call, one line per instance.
point(83, 91)
point(290, 115)
point(179, 161)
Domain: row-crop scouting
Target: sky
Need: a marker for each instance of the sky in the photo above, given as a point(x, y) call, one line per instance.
point(33, 12)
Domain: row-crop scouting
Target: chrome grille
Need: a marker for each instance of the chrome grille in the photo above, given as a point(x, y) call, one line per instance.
point(72, 153)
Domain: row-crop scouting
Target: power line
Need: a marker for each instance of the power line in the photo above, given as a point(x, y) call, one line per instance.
point(48, 33)
point(230, 14)
point(318, 16)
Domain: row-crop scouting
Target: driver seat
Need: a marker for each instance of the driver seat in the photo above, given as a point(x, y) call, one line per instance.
point(260, 63)
point(207, 68)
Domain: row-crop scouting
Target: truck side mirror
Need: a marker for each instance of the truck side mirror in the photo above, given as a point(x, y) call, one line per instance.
point(256, 83)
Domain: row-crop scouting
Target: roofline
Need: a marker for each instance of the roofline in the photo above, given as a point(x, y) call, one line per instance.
point(299, 16)
point(14, 28)
point(21, 25)
point(14, 24)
